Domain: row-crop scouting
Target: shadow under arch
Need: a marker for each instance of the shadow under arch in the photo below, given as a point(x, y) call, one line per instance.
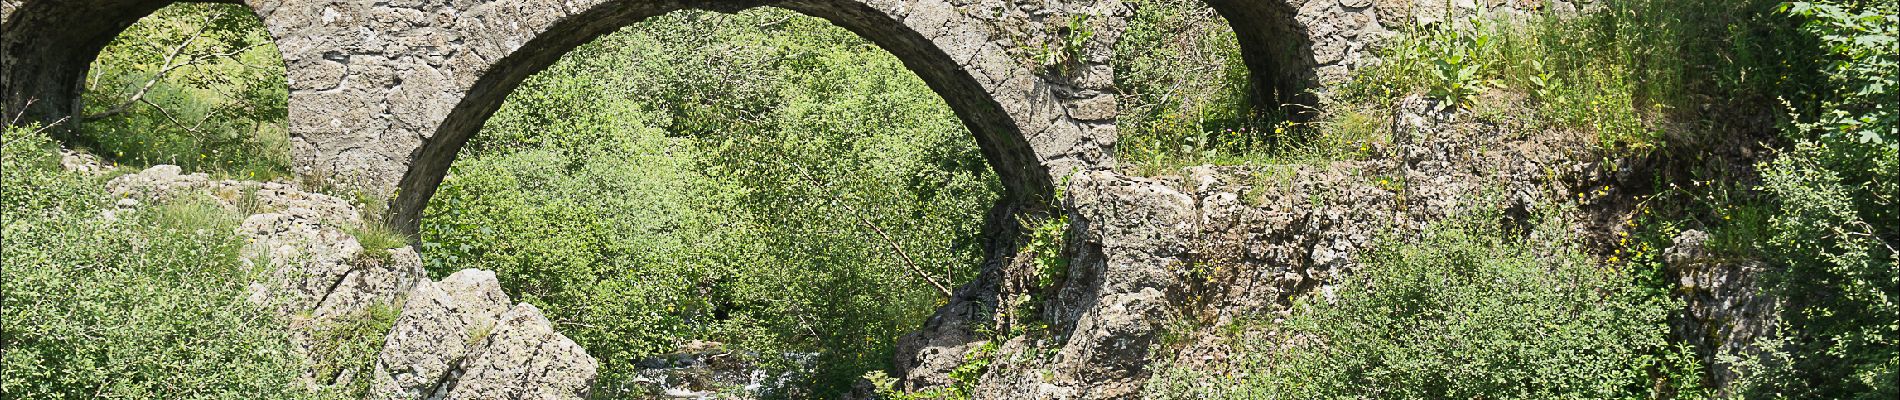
point(47, 49)
point(1278, 53)
point(1026, 183)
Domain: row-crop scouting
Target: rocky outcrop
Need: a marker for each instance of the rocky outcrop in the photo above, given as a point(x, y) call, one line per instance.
point(1177, 255)
point(524, 358)
point(440, 322)
point(316, 269)
point(458, 338)
point(1727, 312)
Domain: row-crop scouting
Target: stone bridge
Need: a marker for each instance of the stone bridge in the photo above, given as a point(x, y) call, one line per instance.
point(383, 93)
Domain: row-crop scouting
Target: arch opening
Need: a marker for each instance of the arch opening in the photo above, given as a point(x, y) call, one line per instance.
point(1025, 181)
point(196, 85)
point(1215, 82)
point(1278, 55)
point(764, 171)
point(48, 48)
point(200, 85)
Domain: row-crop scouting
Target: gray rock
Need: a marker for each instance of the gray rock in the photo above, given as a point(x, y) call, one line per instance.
point(1727, 311)
point(523, 358)
point(160, 182)
point(439, 323)
point(318, 270)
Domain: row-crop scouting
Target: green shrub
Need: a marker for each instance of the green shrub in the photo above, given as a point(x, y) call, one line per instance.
point(1462, 311)
point(1840, 282)
point(347, 347)
point(150, 304)
point(378, 239)
point(1832, 220)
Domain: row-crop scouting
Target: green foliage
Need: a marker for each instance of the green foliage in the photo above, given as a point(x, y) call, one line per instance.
point(1046, 239)
point(1184, 89)
point(1835, 221)
point(378, 239)
point(1459, 60)
point(196, 85)
point(1572, 84)
point(1066, 52)
point(1840, 280)
point(1858, 102)
point(762, 179)
point(150, 304)
point(348, 345)
point(976, 362)
point(1462, 311)
point(1828, 218)
point(1630, 73)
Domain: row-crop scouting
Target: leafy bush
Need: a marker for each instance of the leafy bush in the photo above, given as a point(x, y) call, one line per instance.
point(1840, 281)
point(1462, 311)
point(347, 347)
point(150, 304)
point(1835, 222)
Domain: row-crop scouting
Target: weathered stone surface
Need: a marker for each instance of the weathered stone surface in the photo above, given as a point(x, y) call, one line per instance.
point(1728, 312)
point(383, 92)
point(523, 358)
point(157, 182)
point(1212, 244)
point(320, 271)
point(440, 321)
point(317, 270)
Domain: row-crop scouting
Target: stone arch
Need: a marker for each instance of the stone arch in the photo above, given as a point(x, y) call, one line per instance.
point(47, 48)
point(1025, 130)
point(1278, 53)
point(384, 93)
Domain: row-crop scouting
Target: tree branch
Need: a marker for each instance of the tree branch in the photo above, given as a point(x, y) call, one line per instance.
point(167, 67)
point(895, 246)
point(181, 124)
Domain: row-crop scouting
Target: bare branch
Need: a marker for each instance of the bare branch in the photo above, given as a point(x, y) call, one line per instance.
point(170, 64)
point(895, 246)
point(181, 124)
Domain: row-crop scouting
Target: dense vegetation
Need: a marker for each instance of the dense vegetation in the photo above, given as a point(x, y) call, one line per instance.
point(103, 302)
point(765, 180)
point(773, 182)
point(107, 303)
point(200, 86)
point(1464, 310)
